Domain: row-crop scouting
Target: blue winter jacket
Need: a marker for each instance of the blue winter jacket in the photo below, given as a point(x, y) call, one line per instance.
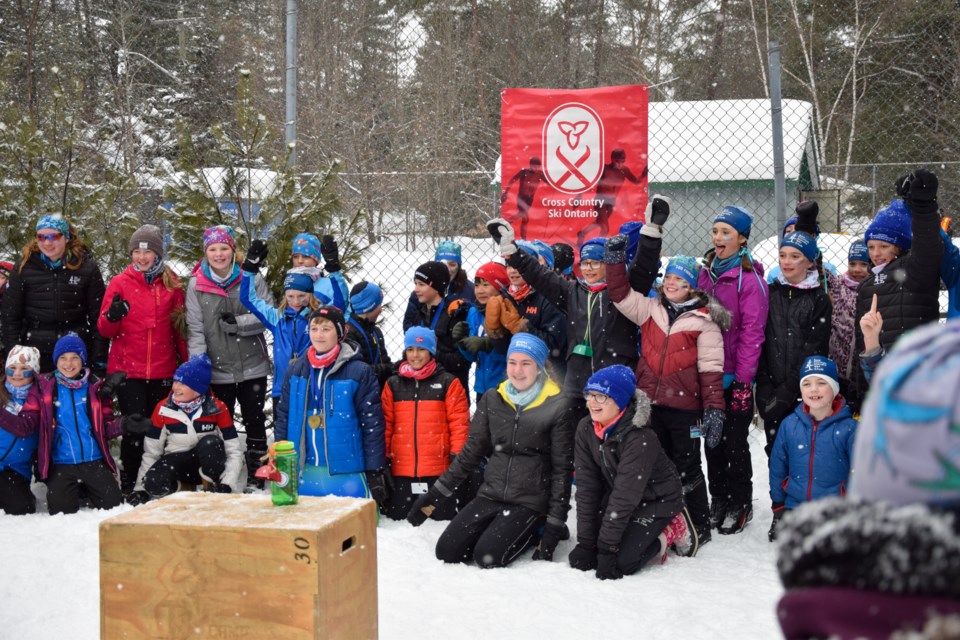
point(333, 290)
point(18, 438)
point(353, 437)
point(290, 329)
point(491, 365)
point(810, 460)
point(950, 274)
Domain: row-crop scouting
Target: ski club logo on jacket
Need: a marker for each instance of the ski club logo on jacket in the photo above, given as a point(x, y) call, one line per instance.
point(573, 147)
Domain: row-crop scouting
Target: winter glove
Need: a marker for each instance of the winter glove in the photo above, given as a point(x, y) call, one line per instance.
point(741, 397)
point(458, 308)
point(807, 212)
point(228, 322)
point(615, 251)
point(712, 426)
point(583, 558)
point(491, 317)
point(110, 384)
point(548, 542)
point(118, 310)
point(659, 210)
point(136, 498)
point(459, 331)
point(922, 193)
point(902, 185)
point(424, 506)
point(778, 511)
point(331, 254)
point(607, 568)
point(502, 233)
point(475, 344)
point(218, 487)
point(381, 484)
point(136, 424)
point(510, 318)
point(256, 254)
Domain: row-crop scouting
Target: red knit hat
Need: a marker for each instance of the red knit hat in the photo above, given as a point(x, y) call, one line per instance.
point(6, 268)
point(495, 274)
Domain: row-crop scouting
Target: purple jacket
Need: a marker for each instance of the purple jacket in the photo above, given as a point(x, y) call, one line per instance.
point(746, 299)
point(105, 427)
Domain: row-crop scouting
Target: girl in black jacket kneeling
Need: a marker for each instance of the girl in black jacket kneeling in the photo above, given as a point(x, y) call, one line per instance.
point(629, 496)
point(519, 426)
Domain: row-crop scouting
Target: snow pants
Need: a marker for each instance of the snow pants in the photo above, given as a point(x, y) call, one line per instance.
point(207, 460)
point(402, 498)
point(729, 468)
point(491, 533)
point(672, 427)
point(16, 499)
point(137, 396)
point(68, 484)
point(640, 543)
point(252, 394)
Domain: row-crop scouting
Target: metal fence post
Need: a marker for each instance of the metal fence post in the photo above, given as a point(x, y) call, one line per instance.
point(290, 125)
point(776, 114)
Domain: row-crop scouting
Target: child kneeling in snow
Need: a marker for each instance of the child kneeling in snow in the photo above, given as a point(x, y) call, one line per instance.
point(811, 455)
point(18, 433)
point(190, 439)
point(629, 496)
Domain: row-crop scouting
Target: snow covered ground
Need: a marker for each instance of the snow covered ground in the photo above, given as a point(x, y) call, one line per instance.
point(50, 589)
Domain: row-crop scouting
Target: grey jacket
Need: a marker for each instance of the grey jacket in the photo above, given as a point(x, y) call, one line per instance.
point(238, 352)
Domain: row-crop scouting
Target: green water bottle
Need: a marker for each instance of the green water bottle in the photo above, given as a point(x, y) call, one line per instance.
point(285, 489)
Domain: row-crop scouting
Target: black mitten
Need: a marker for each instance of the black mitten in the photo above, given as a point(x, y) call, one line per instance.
point(256, 254)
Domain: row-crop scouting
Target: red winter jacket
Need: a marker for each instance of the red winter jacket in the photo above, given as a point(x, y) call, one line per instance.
point(427, 420)
point(145, 344)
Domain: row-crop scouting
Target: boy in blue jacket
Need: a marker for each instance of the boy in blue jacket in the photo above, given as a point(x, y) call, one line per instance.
point(811, 455)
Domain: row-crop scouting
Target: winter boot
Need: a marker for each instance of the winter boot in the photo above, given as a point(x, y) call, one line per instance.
point(254, 462)
point(718, 511)
point(736, 519)
point(680, 535)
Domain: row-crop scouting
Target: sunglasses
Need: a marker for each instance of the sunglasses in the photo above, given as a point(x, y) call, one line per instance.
point(27, 373)
point(48, 237)
point(599, 398)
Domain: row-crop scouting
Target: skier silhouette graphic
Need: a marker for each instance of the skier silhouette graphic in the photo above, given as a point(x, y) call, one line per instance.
point(608, 188)
point(530, 180)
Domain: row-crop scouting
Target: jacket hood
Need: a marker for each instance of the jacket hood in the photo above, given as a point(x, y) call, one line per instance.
point(641, 409)
point(718, 313)
point(550, 388)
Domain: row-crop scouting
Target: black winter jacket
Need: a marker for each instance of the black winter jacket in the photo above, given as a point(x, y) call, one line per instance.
point(547, 322)
point(367, 338)
point(798, 326)
point(623, 477)
point(530, 453)
point(591, 317)
point(452, 312)
point(42, 304)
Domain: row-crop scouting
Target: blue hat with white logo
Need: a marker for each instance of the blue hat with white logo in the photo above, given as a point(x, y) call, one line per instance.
point(822, 367)
point(686, 267)
point(736, 217)
point(803, 243)
point(422, 338)
point(858, 252)
point(531, 345)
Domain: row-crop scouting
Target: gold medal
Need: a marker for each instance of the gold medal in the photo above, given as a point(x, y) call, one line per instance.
point(315, 421)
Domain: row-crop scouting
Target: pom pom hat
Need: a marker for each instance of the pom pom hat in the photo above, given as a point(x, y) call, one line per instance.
point(70, 343)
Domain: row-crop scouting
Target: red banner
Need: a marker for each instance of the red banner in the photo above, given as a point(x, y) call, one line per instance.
point(574, 162)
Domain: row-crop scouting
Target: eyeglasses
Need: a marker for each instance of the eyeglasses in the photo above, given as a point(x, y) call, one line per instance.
point(590, 264)
point(599, 398)
point(48, 237)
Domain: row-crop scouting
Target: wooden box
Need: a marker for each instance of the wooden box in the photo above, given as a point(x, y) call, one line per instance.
point(207, 565)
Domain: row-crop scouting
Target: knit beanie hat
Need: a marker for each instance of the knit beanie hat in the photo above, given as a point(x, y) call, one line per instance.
point(21, 354)
point(686, 267)
point(434, 274)
point(54, 221)
point(6, 268)
point(70, 343)
point(448, 250)
point(615, 381)
point(821, 367)
point(736, 217)
point(858, 252)
point(421, 337)
point(297, 280)
point(563, 258)
point(544, 251)
point(306, 244)
point(531, 345)
point(907, 448)
point(495, 274)
point(195, 373)
point(892, 224)
point(803, 243)
point(631, 229)
point(334, 315)
point(528, 248)
point(593, 249)
point(220, 234)
point(147, 237)
point(365, 297)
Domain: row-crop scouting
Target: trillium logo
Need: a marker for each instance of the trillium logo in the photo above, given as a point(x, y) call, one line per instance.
point(573, 147)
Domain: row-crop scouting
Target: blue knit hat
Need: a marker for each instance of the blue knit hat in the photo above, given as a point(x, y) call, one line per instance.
point(593, 249)
point(858, 252)
point(420, 337)
point(686, 267)
point(365, 297)
point(54, 221)
point(803, 243)
point(297, 280)
point(448, 250)
point(821, 367)
point(195, 373)
point(616, 381)
point(307, 244)
point(531, 345)
point(632, 231)
point(892, 224)
point(907, 448)
point(736, 217)
point(70, 343)
point(545, 251)
point(528, 248)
